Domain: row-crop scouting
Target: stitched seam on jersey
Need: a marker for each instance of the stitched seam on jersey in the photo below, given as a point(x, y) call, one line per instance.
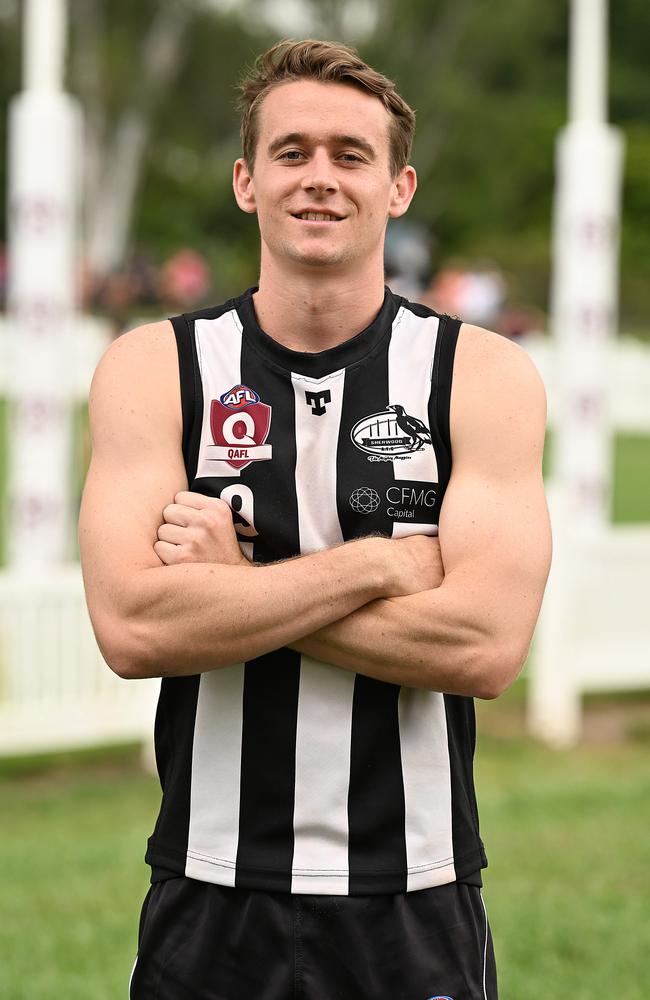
point(317, 872)
point(237, 321)
point(197, 341)
point(158, 847)
point(318, 381)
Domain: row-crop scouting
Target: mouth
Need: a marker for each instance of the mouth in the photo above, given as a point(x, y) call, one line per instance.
point(316, 217)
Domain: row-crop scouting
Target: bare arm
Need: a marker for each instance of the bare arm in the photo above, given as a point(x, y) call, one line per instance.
point(151, 619)
point(470, 635)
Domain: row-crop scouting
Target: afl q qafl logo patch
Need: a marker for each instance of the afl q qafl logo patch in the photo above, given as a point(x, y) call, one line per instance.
point(240, 424)
point(393, 433)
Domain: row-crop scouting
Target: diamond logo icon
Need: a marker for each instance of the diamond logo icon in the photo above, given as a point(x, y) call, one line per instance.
point(365, 500)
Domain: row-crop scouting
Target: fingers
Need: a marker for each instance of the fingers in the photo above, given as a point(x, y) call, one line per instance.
point(172, 533)
point(167, 553)
point(197, 500)
point(182, 510)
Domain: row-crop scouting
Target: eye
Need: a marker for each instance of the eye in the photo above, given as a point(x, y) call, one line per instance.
point(350, 158)
point(290, 154)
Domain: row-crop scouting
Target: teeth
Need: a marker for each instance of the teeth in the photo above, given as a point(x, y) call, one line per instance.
point(317, 217)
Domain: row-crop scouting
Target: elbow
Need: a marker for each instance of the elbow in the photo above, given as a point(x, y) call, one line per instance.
point(498, 668)
point(126, 647)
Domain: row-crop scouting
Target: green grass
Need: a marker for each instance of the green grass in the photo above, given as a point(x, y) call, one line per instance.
point(73, 879)
point(566, 890)
point(631, 499)
point(569, 878)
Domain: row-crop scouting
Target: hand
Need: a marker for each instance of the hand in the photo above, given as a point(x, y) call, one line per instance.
point(416, 564)
point(197, 528)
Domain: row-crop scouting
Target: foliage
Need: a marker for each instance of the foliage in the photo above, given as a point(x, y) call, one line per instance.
point(489, 85)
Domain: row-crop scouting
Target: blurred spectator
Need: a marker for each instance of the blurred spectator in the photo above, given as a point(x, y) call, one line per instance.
point(477, 295)
point(145, 279)
point(185, 280)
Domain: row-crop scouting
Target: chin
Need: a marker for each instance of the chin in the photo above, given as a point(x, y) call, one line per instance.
point(318, 257)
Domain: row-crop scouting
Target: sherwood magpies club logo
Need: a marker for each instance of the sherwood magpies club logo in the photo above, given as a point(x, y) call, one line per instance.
point(393, 433)
point(240, 424)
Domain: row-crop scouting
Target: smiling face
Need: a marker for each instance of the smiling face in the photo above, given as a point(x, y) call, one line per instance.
point(321, 185)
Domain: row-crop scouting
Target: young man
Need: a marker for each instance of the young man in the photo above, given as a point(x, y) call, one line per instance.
point(318, 835)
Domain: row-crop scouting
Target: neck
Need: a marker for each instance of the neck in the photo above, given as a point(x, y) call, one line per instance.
point(312, 310)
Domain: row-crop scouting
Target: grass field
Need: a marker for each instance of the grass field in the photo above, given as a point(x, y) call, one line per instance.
point(567, 888)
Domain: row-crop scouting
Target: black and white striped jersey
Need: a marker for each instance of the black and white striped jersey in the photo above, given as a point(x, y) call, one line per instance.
point(285, 773)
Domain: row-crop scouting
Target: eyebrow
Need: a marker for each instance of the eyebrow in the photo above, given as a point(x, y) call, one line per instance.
point(337, 139)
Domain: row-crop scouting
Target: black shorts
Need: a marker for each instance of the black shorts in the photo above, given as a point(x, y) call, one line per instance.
point(212, 942)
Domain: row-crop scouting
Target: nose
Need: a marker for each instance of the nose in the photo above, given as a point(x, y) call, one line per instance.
point(320, 173)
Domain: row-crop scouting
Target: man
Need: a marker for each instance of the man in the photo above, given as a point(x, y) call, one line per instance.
point(318, 835)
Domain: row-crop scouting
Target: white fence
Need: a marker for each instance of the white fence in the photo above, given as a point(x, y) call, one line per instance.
point(56, 691)
point(594, 630)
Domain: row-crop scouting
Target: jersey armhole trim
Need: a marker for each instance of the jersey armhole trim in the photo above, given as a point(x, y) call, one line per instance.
point(191, 392)
point(443, 368)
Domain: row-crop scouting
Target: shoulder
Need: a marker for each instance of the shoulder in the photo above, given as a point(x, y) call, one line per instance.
point(139, 352)
point(140, 367)
point(497, 392)
point(494, 364)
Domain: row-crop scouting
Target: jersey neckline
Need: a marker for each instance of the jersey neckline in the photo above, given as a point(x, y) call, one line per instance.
point(320, 363)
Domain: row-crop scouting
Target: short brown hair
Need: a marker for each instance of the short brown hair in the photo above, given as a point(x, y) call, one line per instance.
point(325, 62)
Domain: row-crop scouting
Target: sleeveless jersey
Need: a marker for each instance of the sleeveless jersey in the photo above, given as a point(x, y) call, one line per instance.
point(284, 773)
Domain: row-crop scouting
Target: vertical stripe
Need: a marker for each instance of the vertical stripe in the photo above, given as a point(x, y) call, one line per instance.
point(410, 365)
point(316, 444)
point(320, 861)
point(218, 346)
point(423, 725)
point(214, 800)
point(268, 761)
point(377, 848)
point(265, 849)
point(427, 791)
point(216, 754)
point(174, 738)
point(461, 730)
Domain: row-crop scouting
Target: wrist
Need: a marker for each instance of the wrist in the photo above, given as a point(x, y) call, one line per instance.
point(379, 566)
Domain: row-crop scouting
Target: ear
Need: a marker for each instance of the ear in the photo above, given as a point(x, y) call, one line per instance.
point(242, 183)
point(404, 187)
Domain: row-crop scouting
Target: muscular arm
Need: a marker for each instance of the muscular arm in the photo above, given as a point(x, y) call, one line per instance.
point(152, 619)
point(470, 635)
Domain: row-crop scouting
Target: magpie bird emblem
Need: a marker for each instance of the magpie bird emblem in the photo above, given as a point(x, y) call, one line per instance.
point(415, 429)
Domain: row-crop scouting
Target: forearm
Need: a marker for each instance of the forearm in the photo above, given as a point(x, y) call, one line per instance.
point(431, 640)
point(195, 617)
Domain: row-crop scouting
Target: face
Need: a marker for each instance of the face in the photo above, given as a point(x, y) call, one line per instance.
point(321, 184)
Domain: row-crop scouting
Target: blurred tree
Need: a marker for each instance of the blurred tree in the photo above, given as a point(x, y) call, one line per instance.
point(488, 82)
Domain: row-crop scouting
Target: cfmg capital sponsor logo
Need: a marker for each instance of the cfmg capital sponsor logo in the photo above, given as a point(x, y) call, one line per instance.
point(402, 501)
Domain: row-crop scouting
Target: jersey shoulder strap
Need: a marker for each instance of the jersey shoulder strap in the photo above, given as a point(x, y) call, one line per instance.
point(443, 370)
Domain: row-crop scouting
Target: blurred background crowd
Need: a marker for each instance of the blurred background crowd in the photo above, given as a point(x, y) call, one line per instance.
point(157, 82)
